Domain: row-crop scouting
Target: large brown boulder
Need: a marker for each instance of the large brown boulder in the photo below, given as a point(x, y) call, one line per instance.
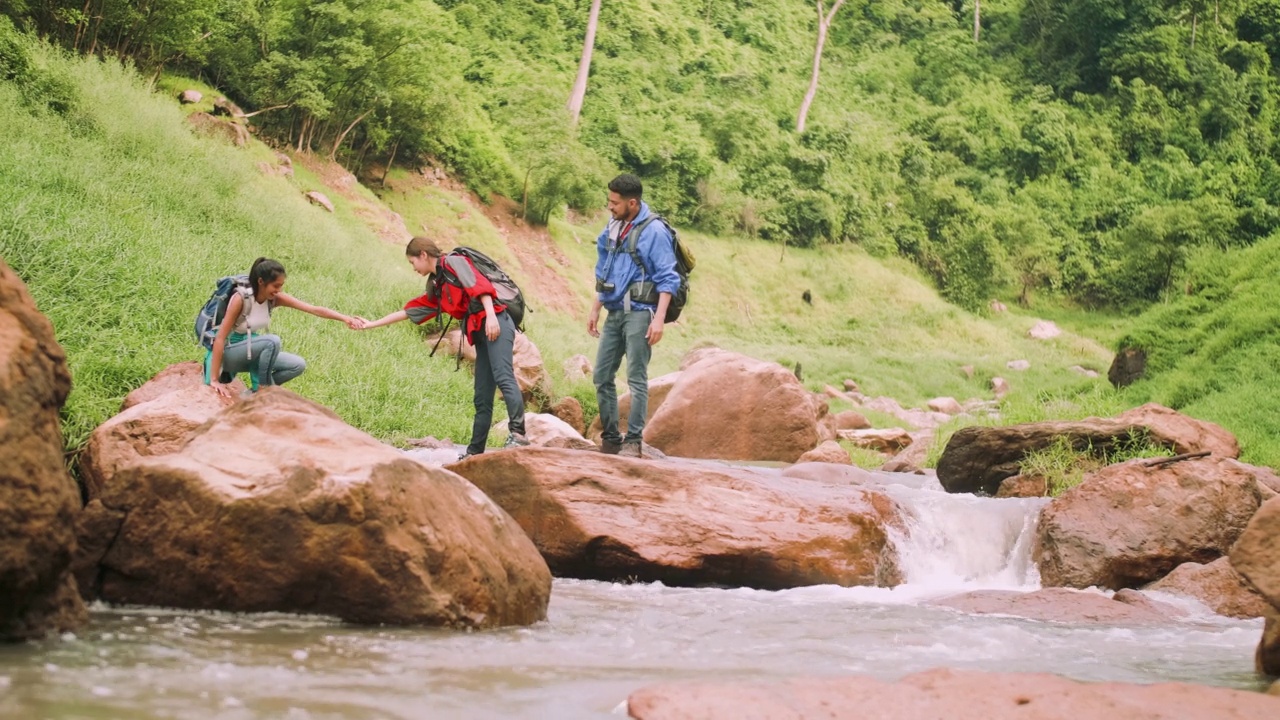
point(219, 129)
point(659, 388)
point(38, 499)
point(977, 459)
point(827, 452)
point(277, 505)
point(531, 374)
point(1131, 523)
point(606, 517)
point(1256, 556)
point(732, 407)
point(156, 427)
point(1056, 605)
point(1182, 433)
point(179, 376)
point(1267, 658)
point(946, 693)
point(1217, 585)
point(1128, 366)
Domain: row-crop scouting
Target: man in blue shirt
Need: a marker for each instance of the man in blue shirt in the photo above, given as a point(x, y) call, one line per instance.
point(636, 294)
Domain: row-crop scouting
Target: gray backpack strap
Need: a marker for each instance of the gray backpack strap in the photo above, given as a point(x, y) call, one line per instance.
point(633, 237)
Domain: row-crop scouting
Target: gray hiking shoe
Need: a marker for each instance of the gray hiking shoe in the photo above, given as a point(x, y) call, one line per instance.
point(609, 448)
point(630, 449)
point(515, 440)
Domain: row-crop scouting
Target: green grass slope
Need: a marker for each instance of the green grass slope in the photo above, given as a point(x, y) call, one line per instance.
point(119, 219)
point(1215, 353)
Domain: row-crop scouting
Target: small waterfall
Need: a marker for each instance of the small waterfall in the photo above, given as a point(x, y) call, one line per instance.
point(965, 541)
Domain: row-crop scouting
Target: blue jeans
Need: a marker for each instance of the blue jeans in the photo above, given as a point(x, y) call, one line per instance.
point(495, 369)
point(623, 334)
point(268, 366)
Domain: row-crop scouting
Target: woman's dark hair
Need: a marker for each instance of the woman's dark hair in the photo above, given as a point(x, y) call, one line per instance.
point(264, 272)
point(419, 245)
point(627, 186)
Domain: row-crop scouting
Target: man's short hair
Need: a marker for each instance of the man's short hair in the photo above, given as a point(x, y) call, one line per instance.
point(627, 186)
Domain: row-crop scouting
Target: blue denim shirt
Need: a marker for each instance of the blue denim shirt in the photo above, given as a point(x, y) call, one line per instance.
point(615, 265)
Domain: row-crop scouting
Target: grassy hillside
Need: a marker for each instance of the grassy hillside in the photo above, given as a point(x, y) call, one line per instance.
point(120, 219)
point(1215, 353)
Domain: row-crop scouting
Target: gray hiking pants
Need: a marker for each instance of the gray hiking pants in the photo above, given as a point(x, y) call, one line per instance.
point(495, 369)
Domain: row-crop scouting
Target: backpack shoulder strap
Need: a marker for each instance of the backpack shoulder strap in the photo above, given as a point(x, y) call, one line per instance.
point(633, 238)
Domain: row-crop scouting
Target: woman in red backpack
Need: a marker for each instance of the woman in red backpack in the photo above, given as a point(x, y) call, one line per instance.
point(456, 288)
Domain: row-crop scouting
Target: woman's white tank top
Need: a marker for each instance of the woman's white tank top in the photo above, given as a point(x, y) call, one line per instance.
point(257, 319)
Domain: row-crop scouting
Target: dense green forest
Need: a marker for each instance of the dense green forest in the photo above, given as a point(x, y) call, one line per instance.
point(1090, 148)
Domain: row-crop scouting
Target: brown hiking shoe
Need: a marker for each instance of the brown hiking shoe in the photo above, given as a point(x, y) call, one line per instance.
point(630, 449)
point(609, 448)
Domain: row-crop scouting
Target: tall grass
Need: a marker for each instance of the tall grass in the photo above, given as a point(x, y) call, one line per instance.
point(119, 224)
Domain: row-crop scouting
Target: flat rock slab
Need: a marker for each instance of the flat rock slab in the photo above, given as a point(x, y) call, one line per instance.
point(1061, 605)
point(947, 694)
point(606, 517)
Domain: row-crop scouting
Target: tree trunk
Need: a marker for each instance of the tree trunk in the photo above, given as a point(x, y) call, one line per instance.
point(385, 171)
point(584, 65)
point(824, 23)
point(977, 19)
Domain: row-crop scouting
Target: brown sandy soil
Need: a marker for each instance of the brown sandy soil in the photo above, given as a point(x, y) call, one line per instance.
point(542, 264)
point(380, 219)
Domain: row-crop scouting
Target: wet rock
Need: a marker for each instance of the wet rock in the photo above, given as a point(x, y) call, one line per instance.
point(1023, 486)
point(1057, 605)
point(1217, 585)
point(1131, 523)
point(1256, 556)
point(827, 452)
point(1267, 658)
point(945, 693)
point(38, 499)
point(277, 505)
point(606, 517)
point(834, 473)
point(731, 407)
point(911, 459)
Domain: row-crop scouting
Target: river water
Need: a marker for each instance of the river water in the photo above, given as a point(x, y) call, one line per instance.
point(603, 640)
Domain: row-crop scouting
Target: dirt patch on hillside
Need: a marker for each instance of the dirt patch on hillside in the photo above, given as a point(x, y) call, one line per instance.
point(384, 223)
point(543, 267)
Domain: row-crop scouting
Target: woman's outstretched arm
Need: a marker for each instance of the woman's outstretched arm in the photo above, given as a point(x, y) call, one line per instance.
point(319, 311)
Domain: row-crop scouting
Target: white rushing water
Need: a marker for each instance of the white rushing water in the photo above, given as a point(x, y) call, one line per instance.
point(601, 641)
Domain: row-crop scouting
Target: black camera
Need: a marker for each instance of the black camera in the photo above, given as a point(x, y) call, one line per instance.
point(605, 287)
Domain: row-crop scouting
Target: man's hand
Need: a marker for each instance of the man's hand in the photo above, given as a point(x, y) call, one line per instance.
point(593, 321)
point(654, 333)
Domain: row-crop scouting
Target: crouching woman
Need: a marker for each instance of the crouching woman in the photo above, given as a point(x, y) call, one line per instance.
point(243, 345)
